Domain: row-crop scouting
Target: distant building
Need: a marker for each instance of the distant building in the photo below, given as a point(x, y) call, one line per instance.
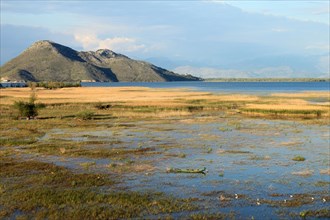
point(88, 80)
point(8, 84)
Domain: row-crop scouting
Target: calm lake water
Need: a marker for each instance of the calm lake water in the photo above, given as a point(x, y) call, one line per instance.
point(246, 87)
point(249, 161)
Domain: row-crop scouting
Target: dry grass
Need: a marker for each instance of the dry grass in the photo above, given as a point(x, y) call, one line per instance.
point(325, 171)
point(285, 106)
point(239, 98)
point(306, 172)
point(291, 143)
point(177, 102)
point(298, 104)
point(162, 114)
point(142, 168)
point(303, 94)
point(138, 96)
point(99, 94)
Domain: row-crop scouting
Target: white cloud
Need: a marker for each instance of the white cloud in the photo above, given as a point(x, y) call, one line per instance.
point(318, 46)
point(121, 44)
point(279, 30)
point(217, 1)
point(91, 41)
point(322, 11)
point(88, 41)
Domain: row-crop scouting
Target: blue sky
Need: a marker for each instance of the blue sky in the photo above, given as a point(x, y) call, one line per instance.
point(205, 38)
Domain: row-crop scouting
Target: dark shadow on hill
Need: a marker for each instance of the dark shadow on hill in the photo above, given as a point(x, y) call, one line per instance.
point(171, 76)
point(108, 73)
point(26, 75)
point(68, 52)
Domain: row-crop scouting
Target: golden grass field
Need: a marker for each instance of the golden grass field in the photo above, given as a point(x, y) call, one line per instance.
point(141, 96)
point(87, 95)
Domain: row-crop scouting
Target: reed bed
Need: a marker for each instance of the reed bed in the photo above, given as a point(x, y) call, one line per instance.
point(147, 102)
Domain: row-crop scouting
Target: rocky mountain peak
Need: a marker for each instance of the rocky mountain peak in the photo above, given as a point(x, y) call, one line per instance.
point(108, 53)
point(41, 44)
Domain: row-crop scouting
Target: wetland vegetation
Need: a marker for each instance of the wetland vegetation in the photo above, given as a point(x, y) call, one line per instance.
point(104, 153)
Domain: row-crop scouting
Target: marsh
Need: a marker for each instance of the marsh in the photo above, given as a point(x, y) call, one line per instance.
point(114, 164)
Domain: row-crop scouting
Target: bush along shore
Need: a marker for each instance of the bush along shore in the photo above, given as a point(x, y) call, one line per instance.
point(54, 85)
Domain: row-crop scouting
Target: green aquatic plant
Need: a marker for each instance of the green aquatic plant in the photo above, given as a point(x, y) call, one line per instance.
point(223, 129)
point(299, 158)
point(87, 165)
point(321, 213)
point(178, 170)
point(182, 155)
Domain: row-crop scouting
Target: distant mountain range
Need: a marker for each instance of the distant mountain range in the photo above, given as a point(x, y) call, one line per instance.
point(50, 61)
point(272, 66)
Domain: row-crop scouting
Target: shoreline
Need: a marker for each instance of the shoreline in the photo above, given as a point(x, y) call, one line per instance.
point(267, 80)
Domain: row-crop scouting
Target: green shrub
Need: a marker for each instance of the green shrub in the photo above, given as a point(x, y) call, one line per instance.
point(54, 85)
point(85, 115)
point(102, 106)
point(29, 109)
point(195, 108)
point(299, 158)
point(26, 109)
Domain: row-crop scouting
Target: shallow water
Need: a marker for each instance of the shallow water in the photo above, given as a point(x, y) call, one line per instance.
point(248, 157)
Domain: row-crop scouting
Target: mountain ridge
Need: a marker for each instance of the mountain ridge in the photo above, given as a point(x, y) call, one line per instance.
point(49, 61)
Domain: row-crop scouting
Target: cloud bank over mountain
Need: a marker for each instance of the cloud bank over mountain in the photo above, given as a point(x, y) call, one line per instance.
point(206, 38)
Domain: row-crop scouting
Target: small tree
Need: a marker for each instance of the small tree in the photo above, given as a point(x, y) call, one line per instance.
point(26, 109)
point(29, 109)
